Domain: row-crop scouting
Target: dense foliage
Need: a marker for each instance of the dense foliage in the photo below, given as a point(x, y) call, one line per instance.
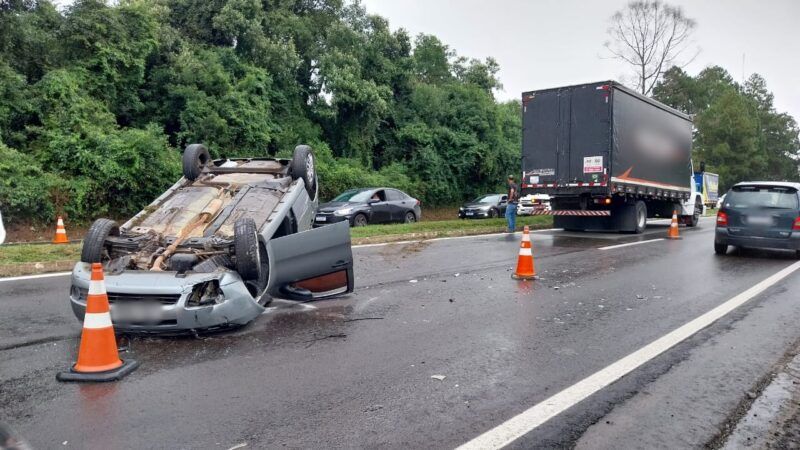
point(738, 132)
point(97, 99)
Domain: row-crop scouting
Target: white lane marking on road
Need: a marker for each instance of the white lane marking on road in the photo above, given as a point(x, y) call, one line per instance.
point(611, 247)
point(413, 241)
point(523, 423)
point(33, 277)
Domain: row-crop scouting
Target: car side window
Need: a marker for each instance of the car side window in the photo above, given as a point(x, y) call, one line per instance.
point(394, 195)
point(503, 199)
point(379, 195)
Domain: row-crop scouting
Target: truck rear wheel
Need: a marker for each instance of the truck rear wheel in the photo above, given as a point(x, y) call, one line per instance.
point(640, 214)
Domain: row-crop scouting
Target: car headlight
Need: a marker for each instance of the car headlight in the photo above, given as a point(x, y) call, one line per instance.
point(343, 211)
point(206, 294)
point(461, 208)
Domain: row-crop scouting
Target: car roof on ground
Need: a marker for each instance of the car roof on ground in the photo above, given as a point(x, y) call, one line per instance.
point(769, 183)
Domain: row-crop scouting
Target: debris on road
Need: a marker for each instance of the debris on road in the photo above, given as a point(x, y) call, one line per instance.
point(438, 377)
point(412, 281)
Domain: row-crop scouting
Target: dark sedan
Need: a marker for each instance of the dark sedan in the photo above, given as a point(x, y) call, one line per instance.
point(759, 215)
point(485, 206)
point(369, 205)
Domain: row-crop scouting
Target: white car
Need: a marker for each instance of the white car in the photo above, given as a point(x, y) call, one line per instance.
point(534, 202)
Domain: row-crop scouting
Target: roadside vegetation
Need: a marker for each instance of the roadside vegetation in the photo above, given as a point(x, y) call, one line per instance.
point(28, 253)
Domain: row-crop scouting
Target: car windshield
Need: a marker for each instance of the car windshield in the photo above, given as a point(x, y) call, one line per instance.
point(494, 198)
point(354, 195)
point(765, 197)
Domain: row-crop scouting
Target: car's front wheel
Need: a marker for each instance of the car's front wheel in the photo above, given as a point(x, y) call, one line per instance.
point(410, 217)
point(720, 249)
point(246, 249)
point(94, 244)
point(360, 220)
point(492, 213)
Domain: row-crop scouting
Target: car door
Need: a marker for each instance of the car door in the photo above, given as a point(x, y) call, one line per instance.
point(399, 203)
point(312, 264)
point(381, 209)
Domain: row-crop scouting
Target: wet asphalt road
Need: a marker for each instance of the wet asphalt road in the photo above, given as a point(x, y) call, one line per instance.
point(356, 371)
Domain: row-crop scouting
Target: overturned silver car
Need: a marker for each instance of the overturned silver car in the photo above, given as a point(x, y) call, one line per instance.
point(216, 247)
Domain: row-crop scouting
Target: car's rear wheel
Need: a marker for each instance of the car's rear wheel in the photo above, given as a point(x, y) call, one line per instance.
point(410, 217)
point(195, 158)
point(720, 249)
point(360, 220)
point(246, 249)
point(304, 166)
point(94, 244)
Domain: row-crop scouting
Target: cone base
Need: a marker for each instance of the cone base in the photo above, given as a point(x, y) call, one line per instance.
point(120, 372)
point(524, 277)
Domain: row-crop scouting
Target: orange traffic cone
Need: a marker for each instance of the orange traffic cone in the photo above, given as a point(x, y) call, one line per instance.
point(61, 233)
point(673, 227)
point(525, 268)
point(97, 356)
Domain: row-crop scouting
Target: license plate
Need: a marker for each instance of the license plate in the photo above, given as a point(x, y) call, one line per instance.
point(759, 220)
point(322, 219)
point(470, 213)
point(136, 313)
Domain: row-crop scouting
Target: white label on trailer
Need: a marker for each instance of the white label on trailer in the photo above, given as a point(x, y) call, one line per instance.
point(593, 164)
point(543, 172)
point(534, 180)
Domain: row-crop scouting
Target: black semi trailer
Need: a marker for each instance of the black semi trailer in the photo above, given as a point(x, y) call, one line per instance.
point(608, 157)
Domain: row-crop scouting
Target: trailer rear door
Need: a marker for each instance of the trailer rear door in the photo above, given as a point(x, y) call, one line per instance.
point(566, 136)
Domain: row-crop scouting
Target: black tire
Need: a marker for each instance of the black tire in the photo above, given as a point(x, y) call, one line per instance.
point(698, 211)
point(410, 217)
point(94, 244)
point(492, 213)
point(797, 254)
point(720, 249)
point(360, 220)
point(256, 287)
point(640, 217)
point(304, 166)
point(195, 158)
point(246, 249)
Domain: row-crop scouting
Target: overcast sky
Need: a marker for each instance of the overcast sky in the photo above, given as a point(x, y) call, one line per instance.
point(550, 43)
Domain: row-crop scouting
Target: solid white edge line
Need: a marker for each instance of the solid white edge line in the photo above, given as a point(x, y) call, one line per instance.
point(33, 277)
point(523, 423)
point(472, 236)
point(611, 247)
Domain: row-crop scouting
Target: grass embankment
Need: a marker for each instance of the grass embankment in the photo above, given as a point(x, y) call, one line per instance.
point(442, 228)
point(27, 253)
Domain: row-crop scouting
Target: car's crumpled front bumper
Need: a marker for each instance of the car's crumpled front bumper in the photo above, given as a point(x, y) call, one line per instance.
point(165, 295)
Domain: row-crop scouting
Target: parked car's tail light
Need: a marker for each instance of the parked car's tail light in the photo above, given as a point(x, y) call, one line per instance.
point(206, 294)
point(796, 225)
point(722, 219)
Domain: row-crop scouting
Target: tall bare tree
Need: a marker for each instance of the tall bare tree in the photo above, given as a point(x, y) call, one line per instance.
point(651, 36)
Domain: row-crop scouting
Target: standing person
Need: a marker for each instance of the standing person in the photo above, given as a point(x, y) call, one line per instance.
point(511, 208)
